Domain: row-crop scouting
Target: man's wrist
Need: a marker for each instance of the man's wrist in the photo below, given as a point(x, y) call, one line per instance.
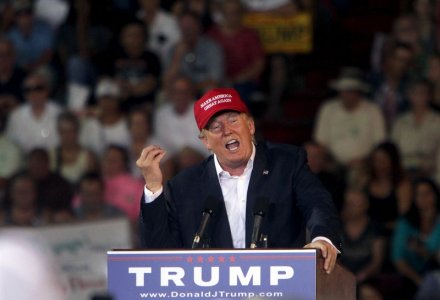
point(153, 187)
point(150, 196)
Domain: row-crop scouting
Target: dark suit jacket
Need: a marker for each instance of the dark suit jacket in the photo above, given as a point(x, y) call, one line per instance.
point(296, 200)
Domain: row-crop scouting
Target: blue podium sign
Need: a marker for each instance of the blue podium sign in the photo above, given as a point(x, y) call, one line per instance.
point(212, 274)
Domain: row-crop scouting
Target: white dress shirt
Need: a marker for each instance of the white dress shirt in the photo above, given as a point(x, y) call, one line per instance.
point(234, 190)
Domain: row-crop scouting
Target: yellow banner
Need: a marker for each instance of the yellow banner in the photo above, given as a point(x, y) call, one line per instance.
point(283, 33)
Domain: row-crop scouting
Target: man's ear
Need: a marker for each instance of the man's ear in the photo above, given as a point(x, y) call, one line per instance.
point(251, 125)
point(204, 139)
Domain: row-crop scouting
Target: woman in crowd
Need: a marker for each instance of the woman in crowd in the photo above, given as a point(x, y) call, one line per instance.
point(387, 188)
point(122, 189)
point(21, 201)
point(364, 246)
point(70, 159)
point(416, 239)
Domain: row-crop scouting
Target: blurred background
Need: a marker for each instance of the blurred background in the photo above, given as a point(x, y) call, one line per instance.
point(85, 85)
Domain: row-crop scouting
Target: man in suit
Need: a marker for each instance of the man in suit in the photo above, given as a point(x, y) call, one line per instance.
point(238, 174)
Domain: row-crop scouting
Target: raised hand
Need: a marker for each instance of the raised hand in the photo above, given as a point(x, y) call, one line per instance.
point(149, 163)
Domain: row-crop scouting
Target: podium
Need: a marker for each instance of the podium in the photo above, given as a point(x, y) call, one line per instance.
point(226, 274)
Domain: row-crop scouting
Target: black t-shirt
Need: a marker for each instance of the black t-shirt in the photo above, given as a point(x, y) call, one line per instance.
point(358, 253)
point(383, 210)
point(133, 70)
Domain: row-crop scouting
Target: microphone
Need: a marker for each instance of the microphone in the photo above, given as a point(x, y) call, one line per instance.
point(260, 210)
point(210, 209)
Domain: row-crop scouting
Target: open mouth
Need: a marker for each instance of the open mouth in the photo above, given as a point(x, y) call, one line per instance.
point(232, 145)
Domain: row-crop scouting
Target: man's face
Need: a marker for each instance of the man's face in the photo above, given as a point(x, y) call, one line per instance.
point(68, 132)
point(150, 5)
point(139, 125)
point(132, 38)
point(419, 96)
point(229, 136)
point(401, 61)
point(38, 166)
point(108, 104)
point(36, 91)
point(190, 28)
point(91, 192)
point(113, 163)
point(350, 98)
point(24, 19)
point(232, 13)
point(182, 95)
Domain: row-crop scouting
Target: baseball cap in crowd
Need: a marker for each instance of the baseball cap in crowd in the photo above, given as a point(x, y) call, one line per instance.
point(107, 87)
point(215, 101)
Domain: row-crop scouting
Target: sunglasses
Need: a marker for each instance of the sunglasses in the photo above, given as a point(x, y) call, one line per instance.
point(34, 88)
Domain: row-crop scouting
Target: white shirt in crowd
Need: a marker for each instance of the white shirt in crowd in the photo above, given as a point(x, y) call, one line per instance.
point(96, 136)
point(175, 132)
point(163, 34)
point(29, 132)
point(419, 143)
point(349, 135)
point(10, 157)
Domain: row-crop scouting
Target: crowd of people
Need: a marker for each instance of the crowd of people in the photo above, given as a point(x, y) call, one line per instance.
point(377, 140)
point(81, 96)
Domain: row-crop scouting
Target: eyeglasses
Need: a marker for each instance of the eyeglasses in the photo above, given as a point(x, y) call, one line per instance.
point(34, 88)
point(217, 127)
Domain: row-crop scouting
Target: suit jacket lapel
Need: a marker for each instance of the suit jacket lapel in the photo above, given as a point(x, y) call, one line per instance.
point(256, 187)
point(221, 236)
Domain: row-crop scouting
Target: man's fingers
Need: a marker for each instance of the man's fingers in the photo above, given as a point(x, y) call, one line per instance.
point(149, 155)
point(144, 154)
point(149, 163)
point(159, 157)
point(329, 253)
point(330, 261)
point(323, 250)
point(319, 246)
point(154, 154)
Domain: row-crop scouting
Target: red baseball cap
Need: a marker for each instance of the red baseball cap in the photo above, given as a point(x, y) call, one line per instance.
point(217, 100)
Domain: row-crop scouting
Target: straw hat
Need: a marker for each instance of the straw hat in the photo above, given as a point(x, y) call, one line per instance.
point(350, 79)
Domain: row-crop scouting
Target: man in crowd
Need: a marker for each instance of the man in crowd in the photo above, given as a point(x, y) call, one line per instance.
point(175, 128)
point(33, 124)
point(195, 56)
point(349, 125)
